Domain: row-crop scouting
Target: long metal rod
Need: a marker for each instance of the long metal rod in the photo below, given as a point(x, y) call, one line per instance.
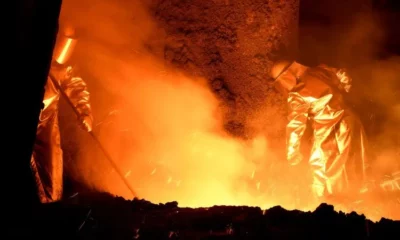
point(108, 156)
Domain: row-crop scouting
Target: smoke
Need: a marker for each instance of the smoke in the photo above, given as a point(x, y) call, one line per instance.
point(381, 87)
point(163, 128)
point(376, 76)
point(355, 36)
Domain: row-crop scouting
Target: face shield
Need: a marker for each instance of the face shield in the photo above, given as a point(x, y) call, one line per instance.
point(63, 49)
point(285, 80)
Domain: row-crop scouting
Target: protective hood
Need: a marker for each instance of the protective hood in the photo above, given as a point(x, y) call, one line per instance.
point(285, 80)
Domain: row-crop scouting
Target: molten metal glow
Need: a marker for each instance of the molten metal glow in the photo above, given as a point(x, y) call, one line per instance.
point(164, 131)
point(166, 135)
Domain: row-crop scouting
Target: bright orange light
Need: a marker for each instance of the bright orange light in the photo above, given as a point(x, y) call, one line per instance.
point(166, 133)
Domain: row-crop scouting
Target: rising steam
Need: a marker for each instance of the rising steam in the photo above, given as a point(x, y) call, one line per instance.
point(164, 128)
point(383, 75)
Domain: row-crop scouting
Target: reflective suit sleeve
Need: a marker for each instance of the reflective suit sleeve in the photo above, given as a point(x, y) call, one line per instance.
point(76, 90)
point(298, 115)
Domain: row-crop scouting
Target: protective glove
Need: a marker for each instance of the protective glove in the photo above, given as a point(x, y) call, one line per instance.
point(86, 122)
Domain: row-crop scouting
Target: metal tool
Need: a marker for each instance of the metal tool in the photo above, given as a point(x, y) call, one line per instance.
point(94, 137)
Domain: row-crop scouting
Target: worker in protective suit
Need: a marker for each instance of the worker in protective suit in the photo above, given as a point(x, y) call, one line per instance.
point(315, 98)
point(47, 156)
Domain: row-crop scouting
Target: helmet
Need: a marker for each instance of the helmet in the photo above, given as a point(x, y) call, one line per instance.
point(64, 48)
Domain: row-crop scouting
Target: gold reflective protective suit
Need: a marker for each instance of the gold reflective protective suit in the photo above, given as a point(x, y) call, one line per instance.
point(47, 156)
point(338, 158)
